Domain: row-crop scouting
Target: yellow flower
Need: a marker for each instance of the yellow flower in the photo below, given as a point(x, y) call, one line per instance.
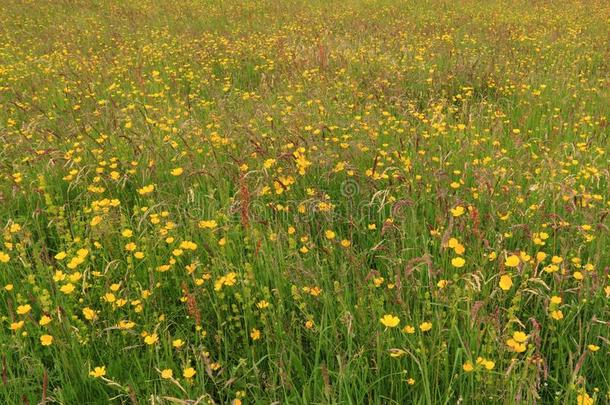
point(584, 399)
point(46, 340)
point(24, 309)
point(557, 315)
point(151, 339)
point(468, 367)
point(255, 334)
point(458, 262)
point(593, 347)
point(123, 324)
point(188, 245)
point(512, 261)
point(98, 372)
point(425, 326)
point(506, 282)
point(4, 257)
point(67, 288)
point(516, 346)
point(390, 321)
point(211, 224)
point(177, 171)
point(189, 372)
point(44, 320)
point(329, 234)
point(459, 249)
point(167, 373)
point(488, 364)
point(178, 343)
point(96, 220)
point(146, 189)
point(262, 304)
point(408, 329)
point(520, 336)
point(16, 325)
point(457, 211)
point(89, 314)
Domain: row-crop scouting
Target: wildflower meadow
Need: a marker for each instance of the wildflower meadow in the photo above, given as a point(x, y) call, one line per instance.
point(304, 202)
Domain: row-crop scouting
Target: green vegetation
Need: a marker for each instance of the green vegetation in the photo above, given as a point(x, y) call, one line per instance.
point(316, 202)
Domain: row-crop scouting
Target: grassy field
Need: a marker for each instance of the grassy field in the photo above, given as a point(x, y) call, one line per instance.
point(304, 202)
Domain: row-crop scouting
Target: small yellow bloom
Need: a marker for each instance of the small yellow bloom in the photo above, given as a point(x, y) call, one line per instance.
point(506, 282)
point(211, 224)
point(46, 340)
point(584, 399)
point(146, 189)
point(167, 373)
point(16, 325)
point(151, 339)
point(44, 320)
point(390, 321)
point(98, 372)
point(189, 372)
point(458, 262)
point(468, 367)
point(24, 309)
point(96, 220)
point(255, 334)
point(425, 326)
point(557, 315)
point(396, 353)
point(4, 257)
point(177, 171)
point(89, 314)
point(457, 211)
point(512, 261)
point(540, 256)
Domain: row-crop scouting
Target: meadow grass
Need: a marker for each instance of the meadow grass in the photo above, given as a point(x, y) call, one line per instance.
point(316, 202)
